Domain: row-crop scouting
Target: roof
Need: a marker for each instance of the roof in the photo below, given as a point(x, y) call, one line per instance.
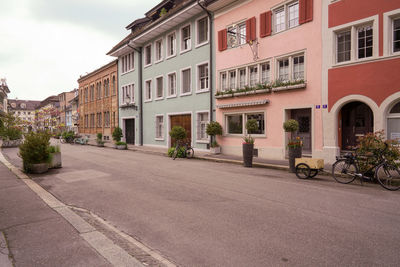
point(51, 99)
point(84, 77)
point(28, 104)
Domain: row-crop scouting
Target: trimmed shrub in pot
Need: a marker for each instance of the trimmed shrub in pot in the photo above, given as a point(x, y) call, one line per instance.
point(117, 135)
point(178, 133)
point(295, 144)
point(121, 145)
point(35, 152)
point(55, 157)
point(213, 129)
point(248, 144)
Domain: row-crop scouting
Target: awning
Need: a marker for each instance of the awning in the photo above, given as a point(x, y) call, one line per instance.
point(244, 104)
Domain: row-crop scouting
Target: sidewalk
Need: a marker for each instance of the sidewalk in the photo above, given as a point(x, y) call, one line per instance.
point(35, 234)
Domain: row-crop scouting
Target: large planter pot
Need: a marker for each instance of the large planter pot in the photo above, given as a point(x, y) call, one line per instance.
point(121, 147)
point(215, 150)
point(100, 144)
point(248, 155)
point(39, 168)
point(55, 160)
point(294, 152)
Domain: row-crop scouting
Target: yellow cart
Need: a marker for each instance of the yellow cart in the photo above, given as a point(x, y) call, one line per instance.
point(308, 167)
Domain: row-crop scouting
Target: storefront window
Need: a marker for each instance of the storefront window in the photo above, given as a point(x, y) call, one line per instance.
point(235, 124)
point(259, 117)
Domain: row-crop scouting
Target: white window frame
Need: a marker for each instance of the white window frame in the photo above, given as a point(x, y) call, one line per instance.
point(155, 50)
point(127, 66)
point(240, 39)
point(181, 81)
point(131, 96)
point(246, 82)
point(290, 57)
point(207, 139)
point(148, 98)
point(156, 97)
point(197, 44)
point(285, 7)
point(222, 88)
point(168, 85)
point(198, 90)
point(257, 75)
point(146, 64)
point(182, 50)
point(244, 120)
point(388, 24)
point(168, 56)
point(260, 71)
point(162, 135)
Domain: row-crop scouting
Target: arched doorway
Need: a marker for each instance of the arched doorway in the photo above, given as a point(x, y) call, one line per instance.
point(393, 122)
point(355, 120)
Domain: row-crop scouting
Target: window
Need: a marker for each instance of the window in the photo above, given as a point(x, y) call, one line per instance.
point(202, 121)
point(234, 124)
point(172, 84)
point(86, 95)
point(99, 90)
point(158, 52)
point(113, 85)
point(259, 117)
point(113, 118)
point(99, 120)
point(107, 119)
point(171, 45)
point(106, 88)
point(147, 55)
point(186, 41)
point(393, 123)
point(232, 80)
point(253, 72)
point(186, 83)
point(223, 80)
point(160, 87)
point(86, 121)
point(92, 92)
point(242, 78)
point(128, 94)
point(202, 77)
point(127, 62)
point(286, 16)
point(202, 31)
point(365, 42)
point(92, 120)
point(160, 127)
point(343, 46)
point(148, 91)
point(283, 70)
point(298, 68)
point(265, 73)
point(237, 35)
point(396, 35)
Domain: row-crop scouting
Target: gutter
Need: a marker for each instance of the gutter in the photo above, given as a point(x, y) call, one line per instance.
point(211, 72)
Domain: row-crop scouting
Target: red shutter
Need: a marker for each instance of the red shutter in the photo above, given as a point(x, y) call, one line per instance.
point(265, 24)
point(222, 40)
point(305, 11)
point(251, 29)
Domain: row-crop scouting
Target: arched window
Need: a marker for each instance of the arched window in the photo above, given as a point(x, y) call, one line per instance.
point(113, 85)
point(393, 122)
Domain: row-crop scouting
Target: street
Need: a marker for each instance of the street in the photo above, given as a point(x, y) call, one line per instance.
point(201, 213)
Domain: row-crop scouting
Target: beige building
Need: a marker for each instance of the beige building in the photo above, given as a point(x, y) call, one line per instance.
point(98, 101)
point(24, 110)
point(64, 98)
point(3, 95)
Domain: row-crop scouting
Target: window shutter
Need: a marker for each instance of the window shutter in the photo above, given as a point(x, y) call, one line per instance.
point(251, 29)
point(265, 24)
point(305, 11)
point(222, 40)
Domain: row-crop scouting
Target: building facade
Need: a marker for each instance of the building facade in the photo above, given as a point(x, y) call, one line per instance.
point(72, 115)
point(169, 81)
point(4, 91)
point(268, 68)
point(98, 101)
point(361, 81)
point(47, 115)
point(65, 109)
point(24, 110)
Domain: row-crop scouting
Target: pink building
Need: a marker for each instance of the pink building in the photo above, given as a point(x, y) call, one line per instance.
point(268, 68)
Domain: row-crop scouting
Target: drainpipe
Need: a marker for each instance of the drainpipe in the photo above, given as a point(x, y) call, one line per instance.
point(211, 73)
point(140, 75)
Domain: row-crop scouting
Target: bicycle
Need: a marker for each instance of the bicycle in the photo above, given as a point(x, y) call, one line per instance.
point(347, 168)
point(188, 151)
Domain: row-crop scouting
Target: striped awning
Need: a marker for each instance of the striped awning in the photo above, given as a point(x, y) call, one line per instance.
point(244, 104)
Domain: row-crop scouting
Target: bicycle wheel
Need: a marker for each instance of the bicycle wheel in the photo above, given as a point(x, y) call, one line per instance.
point(302, 171)
point(344, 172)
point(388, 176)
point(189, 153)
point(313, 173)
point(175, 154)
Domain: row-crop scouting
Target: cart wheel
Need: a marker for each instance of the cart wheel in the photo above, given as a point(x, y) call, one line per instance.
point(313, 173)
point(302, 171)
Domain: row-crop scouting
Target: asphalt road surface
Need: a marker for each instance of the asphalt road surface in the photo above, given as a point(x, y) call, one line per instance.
point(201, 213)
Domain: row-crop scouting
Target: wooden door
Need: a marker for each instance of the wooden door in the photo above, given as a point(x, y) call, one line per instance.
point(130, 131)
point(184, 121)
point(303, 117)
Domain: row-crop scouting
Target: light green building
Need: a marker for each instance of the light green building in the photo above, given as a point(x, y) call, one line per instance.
point(165, 75)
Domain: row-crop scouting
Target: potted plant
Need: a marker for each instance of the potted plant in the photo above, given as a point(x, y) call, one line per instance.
point(120, 145)
point(294, 144)
point(117, 135)
point(213, 129)
point(99, 140)
point(248, 144)
point(35, 152)
point(178, 133)
point(55, 157)
point(10, 130)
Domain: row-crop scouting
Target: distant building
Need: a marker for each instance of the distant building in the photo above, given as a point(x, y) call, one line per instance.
point(64, 108)
point(47, 114)
point(98, 101)
point(72, 113)
point(24, 110)
point(3, 95)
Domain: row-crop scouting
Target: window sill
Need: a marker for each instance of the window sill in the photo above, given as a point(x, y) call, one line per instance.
point(171, 56)
point(186, 94)
point(148, 100)
point(202, 91)
point(159, 139)
point(185, 51)
point(171, 96)
point(285, 30)
point(126, 72)
point(289, 87)
point(158, 61)
point(360, 61)
point(252, 92)
point(201, 44)
point(159, 98)
point(202, 141)
point(148, 65)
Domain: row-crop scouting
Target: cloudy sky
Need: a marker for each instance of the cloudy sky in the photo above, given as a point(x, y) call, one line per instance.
point(45, 45)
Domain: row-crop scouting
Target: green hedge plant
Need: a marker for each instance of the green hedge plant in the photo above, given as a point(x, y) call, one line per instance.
point(35, 149)
point(213, 129)
point(251, 127)
point(117, 134)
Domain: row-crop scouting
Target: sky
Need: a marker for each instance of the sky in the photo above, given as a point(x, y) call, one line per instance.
point(45, 45)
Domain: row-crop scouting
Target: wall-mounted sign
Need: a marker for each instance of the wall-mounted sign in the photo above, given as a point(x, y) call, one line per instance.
point(318, 106)
point(325, 106)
